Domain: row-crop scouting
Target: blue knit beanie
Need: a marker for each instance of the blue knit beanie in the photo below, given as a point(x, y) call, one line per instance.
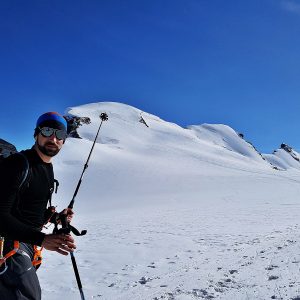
point(51, 119)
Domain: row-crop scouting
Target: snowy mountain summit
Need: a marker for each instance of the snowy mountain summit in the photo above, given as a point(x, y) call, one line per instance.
point(176, 213)
point(133, 131)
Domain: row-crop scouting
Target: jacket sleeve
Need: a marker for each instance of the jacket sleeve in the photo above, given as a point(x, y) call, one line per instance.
point(10, 227)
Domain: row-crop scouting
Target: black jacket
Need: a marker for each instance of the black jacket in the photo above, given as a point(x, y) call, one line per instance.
point(22, 211)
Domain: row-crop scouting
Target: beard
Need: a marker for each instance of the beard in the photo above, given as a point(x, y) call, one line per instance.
point(49, 149)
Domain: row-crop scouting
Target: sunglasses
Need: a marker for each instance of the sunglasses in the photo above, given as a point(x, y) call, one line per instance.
point(60, 134)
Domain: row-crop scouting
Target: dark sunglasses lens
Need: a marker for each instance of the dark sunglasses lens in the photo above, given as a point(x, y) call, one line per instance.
point(60, 134)
point(47, 131)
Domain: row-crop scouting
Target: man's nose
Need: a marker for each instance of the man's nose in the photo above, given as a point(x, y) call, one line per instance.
point(53, 137)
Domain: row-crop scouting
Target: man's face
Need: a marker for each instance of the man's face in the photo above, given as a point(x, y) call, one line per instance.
point(49, 146)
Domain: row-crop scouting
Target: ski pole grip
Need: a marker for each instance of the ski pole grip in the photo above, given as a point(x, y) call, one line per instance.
point(71, 204)
point(63, 220)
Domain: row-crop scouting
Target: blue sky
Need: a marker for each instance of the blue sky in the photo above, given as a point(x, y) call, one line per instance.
point(187, 61)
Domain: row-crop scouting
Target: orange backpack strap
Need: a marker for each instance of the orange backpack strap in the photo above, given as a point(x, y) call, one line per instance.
point(9, 254)
point(37, 257)
point(13, 251)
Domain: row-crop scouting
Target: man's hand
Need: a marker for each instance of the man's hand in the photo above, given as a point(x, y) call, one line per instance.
point(69, 213)
point(61, 243)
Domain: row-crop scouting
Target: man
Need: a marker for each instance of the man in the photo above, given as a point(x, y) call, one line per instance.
point(23, 210)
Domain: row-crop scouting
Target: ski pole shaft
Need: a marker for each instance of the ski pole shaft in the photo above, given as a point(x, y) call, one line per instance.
point(103, 118)
point(77, 276)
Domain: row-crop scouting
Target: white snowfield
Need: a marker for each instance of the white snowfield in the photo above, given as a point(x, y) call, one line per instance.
point(175, 213)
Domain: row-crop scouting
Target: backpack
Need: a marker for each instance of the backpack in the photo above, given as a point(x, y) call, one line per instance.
point(25, 169)
point(25, 172)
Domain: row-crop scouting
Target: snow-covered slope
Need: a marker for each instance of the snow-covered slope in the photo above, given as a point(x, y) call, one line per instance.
point(174, 213)
point(284, 158)
point(223, 136)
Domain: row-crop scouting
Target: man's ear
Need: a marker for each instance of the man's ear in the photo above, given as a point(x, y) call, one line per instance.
point(35, 138)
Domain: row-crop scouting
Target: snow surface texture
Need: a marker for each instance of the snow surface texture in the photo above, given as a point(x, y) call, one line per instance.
point(175, 213)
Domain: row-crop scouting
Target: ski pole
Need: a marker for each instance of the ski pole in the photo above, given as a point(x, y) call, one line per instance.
point(103, 118)
point(66, 227)
point(77, 276)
